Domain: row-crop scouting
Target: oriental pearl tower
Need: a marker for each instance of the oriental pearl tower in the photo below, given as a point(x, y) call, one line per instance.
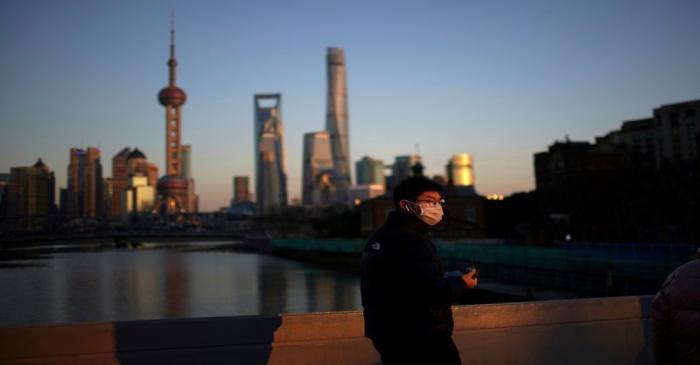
point(175, 192)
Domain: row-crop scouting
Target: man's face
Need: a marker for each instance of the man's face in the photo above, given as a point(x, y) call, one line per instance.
point(429, 197)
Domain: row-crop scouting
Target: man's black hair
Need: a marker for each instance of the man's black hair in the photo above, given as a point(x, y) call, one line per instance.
point(412, 187)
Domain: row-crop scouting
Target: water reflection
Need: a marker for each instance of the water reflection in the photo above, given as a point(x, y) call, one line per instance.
point(168, 282)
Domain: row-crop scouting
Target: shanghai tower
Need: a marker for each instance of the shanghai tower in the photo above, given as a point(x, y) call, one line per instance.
point(337, 122)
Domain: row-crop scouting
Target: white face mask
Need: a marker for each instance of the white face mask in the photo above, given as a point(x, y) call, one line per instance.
point(431, 215)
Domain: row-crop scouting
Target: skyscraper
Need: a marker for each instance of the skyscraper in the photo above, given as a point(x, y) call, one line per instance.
point(186, 151)
point(402, 168)
point(31, 195)
point(138, 197)
point(460, 171)
point(241, 189)
point(125, 164)
point(176, 192)
point(370, 171)
point(317, 184)
point(120, 177)
point(84, 191)
point(270, 162)
point(337, 121)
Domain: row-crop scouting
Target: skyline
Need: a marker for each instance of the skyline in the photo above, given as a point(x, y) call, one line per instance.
point(498, 82)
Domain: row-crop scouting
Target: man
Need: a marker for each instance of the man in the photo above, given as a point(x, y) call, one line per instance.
point(405, 294)
point(675, 314)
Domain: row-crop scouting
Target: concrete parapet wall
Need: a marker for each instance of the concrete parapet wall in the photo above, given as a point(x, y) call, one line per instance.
point(582, 331)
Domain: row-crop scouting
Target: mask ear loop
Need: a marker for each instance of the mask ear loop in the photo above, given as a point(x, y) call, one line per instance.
point(408, 204)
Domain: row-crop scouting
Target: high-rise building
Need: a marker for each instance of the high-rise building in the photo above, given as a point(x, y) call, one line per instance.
point(107, 196)
point(84, 191)
point(137, 164)
point(241, 189)
point(175, 191)
point(317, 175)
point(403, 168)
point(370, 171)
point(138, 197)
point(186, 151)
point(337, 122)
point(119, 181)
point(4, 181)
point(270, 162)
point(31, 195)
point(127, 163)
point(460, 171)
point(677, 133)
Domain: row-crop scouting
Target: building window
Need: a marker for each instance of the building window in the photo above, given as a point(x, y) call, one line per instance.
point(690, 113)
point(673, 117)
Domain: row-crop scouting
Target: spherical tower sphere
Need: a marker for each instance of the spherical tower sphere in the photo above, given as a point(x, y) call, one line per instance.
point(173, 96)
point(171, 184)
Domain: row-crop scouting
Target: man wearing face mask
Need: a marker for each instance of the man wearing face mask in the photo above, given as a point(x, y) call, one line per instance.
point(405, 293)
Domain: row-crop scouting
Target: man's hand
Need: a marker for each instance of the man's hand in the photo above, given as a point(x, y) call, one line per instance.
point(470, 279)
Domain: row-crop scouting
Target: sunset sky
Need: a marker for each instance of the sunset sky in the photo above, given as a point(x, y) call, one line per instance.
point(500, 80)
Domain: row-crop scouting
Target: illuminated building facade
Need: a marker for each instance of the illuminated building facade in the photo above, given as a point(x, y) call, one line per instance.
point(270, 165)
point(460, 171)
point(317, 174)
point(337, 122)
point(138, 197)
point(127, 163)
point(241, 189)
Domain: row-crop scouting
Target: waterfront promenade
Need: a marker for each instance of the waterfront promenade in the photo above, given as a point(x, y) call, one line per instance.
point(613, 330)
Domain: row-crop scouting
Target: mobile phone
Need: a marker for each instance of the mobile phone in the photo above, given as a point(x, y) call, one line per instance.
point(467, 267)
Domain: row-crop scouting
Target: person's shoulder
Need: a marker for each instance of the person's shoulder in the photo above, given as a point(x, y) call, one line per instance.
point(688, 270)
point(394, 241)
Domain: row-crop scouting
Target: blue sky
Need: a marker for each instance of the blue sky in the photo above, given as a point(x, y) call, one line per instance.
point(498, 79)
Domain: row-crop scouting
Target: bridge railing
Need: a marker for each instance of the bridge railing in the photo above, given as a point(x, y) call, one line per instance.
point(583, 331)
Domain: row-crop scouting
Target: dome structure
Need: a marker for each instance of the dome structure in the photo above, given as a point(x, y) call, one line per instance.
point(136, 153)
point(41, 165)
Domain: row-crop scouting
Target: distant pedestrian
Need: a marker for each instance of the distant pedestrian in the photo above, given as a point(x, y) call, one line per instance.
point(675, 314)
point(405, 294)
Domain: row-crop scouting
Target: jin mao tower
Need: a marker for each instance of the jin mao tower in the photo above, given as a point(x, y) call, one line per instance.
point(270, 161)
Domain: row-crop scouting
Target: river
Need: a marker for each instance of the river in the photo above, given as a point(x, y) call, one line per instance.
point(62, 284)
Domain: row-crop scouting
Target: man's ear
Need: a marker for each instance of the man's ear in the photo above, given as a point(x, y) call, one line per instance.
point(403, 205)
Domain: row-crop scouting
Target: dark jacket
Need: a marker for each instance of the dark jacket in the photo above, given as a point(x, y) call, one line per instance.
point(675, 314)
point(404, 291)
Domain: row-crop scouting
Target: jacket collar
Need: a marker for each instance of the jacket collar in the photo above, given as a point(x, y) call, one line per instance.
point(408, 221)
